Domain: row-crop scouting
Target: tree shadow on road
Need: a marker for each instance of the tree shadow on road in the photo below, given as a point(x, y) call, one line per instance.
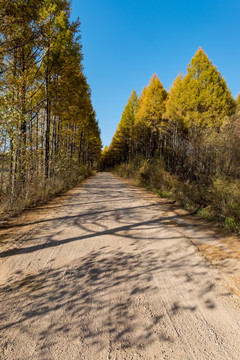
point(111, 298)
point(108, 299)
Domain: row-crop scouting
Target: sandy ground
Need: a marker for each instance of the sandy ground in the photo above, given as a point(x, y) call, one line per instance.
point(108, 271)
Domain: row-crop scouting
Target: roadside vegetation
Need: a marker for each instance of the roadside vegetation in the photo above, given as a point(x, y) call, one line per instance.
point(49, 136)
point(184, 144)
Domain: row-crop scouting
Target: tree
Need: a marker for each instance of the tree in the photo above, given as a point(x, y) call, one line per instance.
point(48, 126)
point(150, 120)
point(122, 145)
point(20, 35)
point(126, 127)
point(238, 102)
point(201, 98)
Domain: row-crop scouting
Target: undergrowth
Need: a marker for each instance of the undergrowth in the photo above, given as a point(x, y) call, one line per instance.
point(218, 200)
point(42, 190)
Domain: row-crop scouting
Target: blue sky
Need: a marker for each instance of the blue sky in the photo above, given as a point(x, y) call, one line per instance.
point(126, 41)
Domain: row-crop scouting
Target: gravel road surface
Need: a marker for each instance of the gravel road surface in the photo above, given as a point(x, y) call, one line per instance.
point(103, 273)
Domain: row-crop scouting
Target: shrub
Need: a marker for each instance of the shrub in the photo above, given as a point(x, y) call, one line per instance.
point(217, 200)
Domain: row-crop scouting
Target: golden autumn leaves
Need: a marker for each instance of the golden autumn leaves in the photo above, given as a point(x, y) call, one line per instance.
point(200, 99)
point(48, 127)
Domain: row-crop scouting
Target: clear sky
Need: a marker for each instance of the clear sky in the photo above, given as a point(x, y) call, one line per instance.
point(126, 41)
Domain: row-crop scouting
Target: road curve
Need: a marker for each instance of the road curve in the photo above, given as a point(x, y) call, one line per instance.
point(106, 274)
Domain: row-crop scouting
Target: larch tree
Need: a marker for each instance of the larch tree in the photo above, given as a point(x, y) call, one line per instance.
point(20, 36)
point(238, 102)
point(122, 145)
point(48, 126)
point(150, 116)
point(126, 127)
point(186, 141)
point(201, 98)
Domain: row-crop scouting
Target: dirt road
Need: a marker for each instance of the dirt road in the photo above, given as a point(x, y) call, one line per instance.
point(105, 274)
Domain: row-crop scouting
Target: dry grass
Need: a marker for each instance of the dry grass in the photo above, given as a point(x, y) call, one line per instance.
point(40, 191)
point(217, 201)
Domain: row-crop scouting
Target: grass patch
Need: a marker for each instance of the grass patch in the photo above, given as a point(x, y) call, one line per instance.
point(162, 194)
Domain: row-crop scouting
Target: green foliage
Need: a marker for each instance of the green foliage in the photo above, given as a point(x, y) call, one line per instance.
point(231, 224)
point(207, 213)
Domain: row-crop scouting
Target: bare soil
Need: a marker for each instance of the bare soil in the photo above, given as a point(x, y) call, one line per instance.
point(110, 271)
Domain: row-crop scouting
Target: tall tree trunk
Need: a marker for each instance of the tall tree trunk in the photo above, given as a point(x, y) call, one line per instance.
point(47, 124)
point(23, 125)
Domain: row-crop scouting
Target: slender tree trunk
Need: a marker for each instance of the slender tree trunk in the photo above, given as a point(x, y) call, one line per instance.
point(47, 124)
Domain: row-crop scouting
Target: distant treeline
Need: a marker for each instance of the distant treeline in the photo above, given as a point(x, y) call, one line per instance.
point(186, 142)
point(49, 136)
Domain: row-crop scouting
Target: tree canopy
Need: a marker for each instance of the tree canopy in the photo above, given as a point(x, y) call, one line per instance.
point(185, 128)
point(201, 98)
point(47, 123)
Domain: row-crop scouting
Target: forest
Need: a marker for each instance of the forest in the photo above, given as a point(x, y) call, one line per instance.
point(49, 135)
point(184, 144)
